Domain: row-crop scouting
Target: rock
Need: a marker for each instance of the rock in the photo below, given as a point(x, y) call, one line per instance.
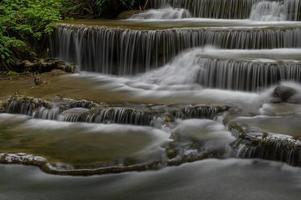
point(22, 158)
point(254, 143)
point(42, 65)
point(37, 80)
point(65, 67)
point(283, 93)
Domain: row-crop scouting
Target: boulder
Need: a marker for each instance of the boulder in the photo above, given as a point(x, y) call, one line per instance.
point(43, 65)
point(283, 93)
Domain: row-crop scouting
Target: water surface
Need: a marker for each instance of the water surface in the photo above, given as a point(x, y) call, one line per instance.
point(209, 179)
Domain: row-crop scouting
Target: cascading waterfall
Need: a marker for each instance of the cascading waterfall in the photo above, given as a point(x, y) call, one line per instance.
point(246, 56)
point(129, 52)
point(243, 70)
point(163, 13)
point(271, 149)
point(118, 115)
point(246, 75)
point(82, 111)
point(253, 143)
point(228, 9)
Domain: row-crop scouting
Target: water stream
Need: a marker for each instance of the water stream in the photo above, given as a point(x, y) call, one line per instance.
point(235, 9)
point(209, 179)
point(204, 89)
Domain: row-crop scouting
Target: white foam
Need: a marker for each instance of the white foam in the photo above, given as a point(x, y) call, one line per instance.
point(268, 11)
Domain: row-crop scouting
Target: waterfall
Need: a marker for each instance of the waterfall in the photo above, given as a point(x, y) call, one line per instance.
point(268, 11)
point(129, 52)
point(233, 71)
point(77, 111)
point(163, 13)
point(252, 142)
point(284, 150)
point(227, 9)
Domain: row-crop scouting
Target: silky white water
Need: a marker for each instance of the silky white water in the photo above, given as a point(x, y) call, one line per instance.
point(208, 179)
point(237, 9)
point(166, 12)
point(268, 11)
point(137, 51)
point(179, 81)
point(158, 58)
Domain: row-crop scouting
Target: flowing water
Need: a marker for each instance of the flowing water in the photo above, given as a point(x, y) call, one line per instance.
point(196, 91)
point(136, 51)
point(233, 9)
point(163, 13)
point(268, 11)
point(209, 179)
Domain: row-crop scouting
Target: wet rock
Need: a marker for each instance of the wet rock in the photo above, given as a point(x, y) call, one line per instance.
point(43, 65)
point(37, 80)
point(22, 158)
point(251, 143)
point(74, 114)
point(283, 93)
point(24, 105)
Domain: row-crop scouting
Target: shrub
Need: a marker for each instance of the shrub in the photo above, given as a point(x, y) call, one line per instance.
point(24, 21)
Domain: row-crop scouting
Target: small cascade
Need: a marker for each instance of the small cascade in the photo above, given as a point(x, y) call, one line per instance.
point(246, 75)
point(130, 52)
point(46, 113)
point(254, 143)
point(229, 9)
point(26, 106)
point(71, 111)
point(268, 11)
point(42, 109)
point(193, 67)
point(73, 115)
point(118, 115)
point(196, 112)
point(284, 150)
point(163, 13)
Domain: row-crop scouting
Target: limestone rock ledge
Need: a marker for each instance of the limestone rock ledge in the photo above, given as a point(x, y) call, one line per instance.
point(254, 144)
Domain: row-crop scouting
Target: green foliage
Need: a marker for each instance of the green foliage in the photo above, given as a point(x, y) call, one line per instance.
point(6, 44)
point(22, 21)
point(100, 8)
